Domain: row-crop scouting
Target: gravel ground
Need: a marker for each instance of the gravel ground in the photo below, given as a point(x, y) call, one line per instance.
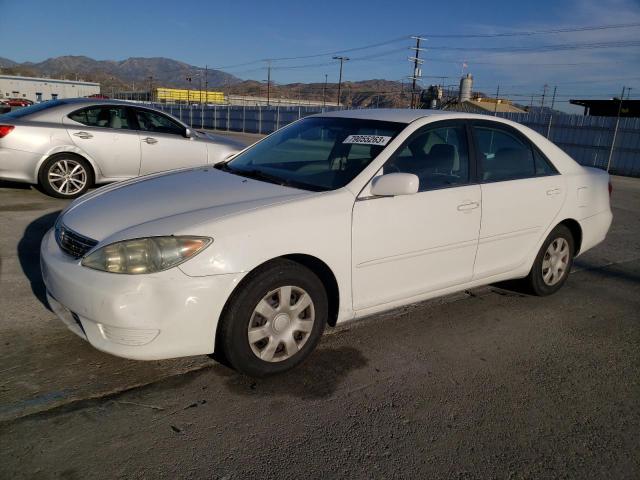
point(487, 384)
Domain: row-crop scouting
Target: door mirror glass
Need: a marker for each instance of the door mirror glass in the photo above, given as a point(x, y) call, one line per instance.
point(393, 184)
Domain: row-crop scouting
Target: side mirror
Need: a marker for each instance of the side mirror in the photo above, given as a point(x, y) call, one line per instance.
point(393, 184)
point(188, 133)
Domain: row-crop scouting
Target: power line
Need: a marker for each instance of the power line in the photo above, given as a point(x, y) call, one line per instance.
point(535, 32)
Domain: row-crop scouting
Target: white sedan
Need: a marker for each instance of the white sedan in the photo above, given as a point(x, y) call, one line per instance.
point(332, 218)
point(67, 146)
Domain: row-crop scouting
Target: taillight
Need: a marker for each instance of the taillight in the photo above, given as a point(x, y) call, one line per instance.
point(610, 188)
point(5, 130)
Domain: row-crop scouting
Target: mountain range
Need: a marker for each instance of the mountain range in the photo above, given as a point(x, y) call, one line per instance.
point(137, 74)
point(122, 74)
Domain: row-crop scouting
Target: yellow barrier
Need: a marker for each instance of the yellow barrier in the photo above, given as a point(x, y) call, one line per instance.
point(191, 96)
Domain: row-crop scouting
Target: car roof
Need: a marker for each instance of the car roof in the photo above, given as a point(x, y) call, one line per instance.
point(401, 115)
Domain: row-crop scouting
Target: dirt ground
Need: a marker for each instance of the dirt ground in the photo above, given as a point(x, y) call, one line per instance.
point(484, 384)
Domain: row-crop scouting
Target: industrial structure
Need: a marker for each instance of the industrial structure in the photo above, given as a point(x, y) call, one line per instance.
point(609, 108)
point(42, 89)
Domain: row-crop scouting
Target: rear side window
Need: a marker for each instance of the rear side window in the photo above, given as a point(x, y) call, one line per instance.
point(38, 107)
point(504, 156)
point(103, 116)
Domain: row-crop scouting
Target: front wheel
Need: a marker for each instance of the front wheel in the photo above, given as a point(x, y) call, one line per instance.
point(65, 176)
point(274, 320)
point(553, 263)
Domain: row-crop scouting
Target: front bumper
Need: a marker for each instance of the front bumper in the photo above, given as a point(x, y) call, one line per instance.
point(143, 317)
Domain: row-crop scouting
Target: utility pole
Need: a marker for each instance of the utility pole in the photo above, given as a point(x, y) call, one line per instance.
point(495, 108)
point(544, 94)
point(324, 92)
point(615, 131)
point(268, 82)
point(553, 98)
point(417, 72)
point(628, 93)
point(342, 60)
point(206, 83)
point(150, 88)
point(189, 91)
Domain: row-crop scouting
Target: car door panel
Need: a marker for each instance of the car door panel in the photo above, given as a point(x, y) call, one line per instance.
point(514, 216)
point(412, 244)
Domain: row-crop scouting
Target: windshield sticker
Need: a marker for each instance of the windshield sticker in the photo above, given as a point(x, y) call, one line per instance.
point(381, 140)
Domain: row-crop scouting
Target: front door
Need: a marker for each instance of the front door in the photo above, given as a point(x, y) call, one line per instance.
point(408, 245)
point(163, 144)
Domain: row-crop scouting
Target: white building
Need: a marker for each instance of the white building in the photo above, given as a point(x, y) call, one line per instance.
point(42, 89)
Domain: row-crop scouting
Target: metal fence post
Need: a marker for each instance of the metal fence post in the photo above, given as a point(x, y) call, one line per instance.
point(190, 115)
point(202, 115)
point(259, 119)
point(299, 107)
point(244, 112)
point(549, 126)
point(613, 142)
point(215, 116)
point(278, 117)
point(228, 116)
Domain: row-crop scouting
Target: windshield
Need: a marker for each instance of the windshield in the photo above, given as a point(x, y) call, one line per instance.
point(317, 153)
point(38, 107)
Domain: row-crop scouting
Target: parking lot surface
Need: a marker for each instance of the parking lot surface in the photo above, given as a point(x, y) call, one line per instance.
point(489, 383)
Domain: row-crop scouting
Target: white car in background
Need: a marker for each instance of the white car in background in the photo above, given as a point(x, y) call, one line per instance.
point(67, 146)
point(332, 218)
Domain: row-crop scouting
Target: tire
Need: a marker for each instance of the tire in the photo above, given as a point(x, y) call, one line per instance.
point(556, 253)
point(65, 175)
point(275, 345)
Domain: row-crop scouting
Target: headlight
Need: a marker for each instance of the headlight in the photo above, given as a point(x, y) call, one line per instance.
point(145, 255)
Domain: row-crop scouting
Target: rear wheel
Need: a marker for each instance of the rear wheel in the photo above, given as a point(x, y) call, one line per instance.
point(553, 263)
point(65, 175)
point(274, 321)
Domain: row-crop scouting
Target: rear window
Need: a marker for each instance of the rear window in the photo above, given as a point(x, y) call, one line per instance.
point(38, 107)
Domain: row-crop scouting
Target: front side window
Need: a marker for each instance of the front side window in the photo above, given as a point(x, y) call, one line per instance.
point(155, 122)
point(316, 153)
point(504, 156)
point(103, 116)
point(438, 156)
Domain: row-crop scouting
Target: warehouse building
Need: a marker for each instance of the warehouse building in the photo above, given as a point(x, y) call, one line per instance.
point(42, 89)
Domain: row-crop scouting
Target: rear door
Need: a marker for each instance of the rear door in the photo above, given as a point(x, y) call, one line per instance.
point(163, 143)
point(107, 135)
point(521, 195)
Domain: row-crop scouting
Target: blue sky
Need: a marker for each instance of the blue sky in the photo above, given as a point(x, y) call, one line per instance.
point(231, 33)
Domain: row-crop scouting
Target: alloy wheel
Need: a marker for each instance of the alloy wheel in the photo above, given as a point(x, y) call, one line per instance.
point(67, 177)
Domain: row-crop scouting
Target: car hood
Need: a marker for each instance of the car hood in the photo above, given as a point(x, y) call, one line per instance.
point(169, 203)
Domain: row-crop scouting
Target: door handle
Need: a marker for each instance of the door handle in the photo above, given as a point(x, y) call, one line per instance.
point(553, 191)
point(468, 206)
point(150, 140)
point(84, 135)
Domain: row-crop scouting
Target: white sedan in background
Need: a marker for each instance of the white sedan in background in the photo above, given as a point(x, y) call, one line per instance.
point(67, 146)
point(334, 217)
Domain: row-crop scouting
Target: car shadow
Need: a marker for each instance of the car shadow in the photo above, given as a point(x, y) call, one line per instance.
point(29, 253)
point(16, 185)
point(317, 378)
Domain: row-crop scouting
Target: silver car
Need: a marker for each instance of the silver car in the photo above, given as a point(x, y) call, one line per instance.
point(66, 146)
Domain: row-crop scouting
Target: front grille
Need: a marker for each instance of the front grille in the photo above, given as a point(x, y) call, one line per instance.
point(73, 243)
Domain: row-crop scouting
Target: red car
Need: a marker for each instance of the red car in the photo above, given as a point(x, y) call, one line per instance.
point(18, 102)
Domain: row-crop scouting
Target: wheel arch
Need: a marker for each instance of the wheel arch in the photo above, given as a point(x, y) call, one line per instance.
point(316, 265)
point(576, 231)
point(94, 168)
